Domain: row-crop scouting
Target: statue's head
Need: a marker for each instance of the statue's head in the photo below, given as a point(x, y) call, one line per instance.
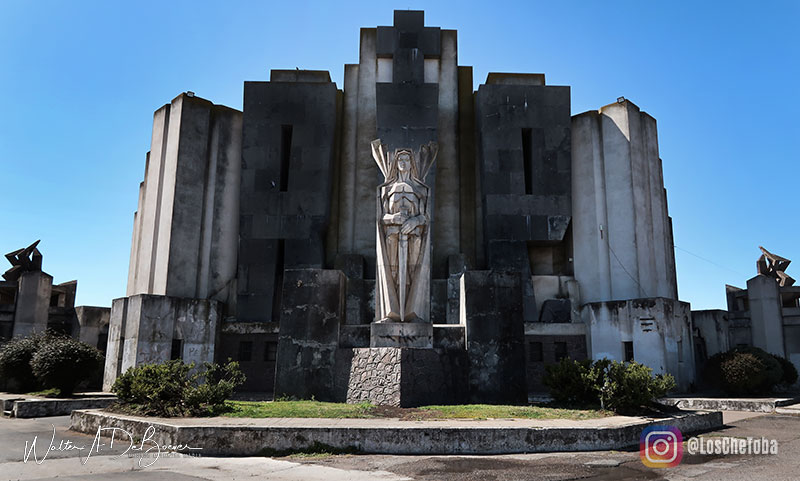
point(403, 160)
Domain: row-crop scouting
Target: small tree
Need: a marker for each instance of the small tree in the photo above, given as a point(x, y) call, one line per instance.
point(63, 363)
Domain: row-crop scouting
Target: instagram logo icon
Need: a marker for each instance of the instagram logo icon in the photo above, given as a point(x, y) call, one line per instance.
point(661, 447)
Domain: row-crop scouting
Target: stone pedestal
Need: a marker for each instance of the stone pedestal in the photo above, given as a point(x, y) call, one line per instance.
point(401, 334)
point(407, 377)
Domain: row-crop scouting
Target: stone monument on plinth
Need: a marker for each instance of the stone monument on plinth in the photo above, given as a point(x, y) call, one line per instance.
point(403, 245)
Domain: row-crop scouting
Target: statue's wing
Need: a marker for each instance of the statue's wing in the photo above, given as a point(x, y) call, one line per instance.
point(427, 157)
point(381, 157)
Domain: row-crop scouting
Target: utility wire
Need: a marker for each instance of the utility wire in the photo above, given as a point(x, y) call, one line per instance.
point(708, 260)
point(626, 270)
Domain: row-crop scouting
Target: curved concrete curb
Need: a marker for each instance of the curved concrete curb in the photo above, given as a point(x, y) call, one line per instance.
point(756, 405)
point(403, 437)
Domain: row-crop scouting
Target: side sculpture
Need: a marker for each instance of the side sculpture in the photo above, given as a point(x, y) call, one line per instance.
point(403, 234)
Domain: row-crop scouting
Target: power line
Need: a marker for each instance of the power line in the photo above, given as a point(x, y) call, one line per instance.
point(626, 270)
point(708, 260)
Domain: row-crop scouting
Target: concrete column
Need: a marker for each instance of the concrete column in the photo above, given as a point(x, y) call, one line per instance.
point(621, 230)
point(151, 206)
point(446, 231)
point(590, 224)
point(136, 237)
point(471, 228)
point(348, 163)
point(221, 219)
point(367, 174)
point(116, 342)
point(640, 176)
point(766, 318)
point(33, 303)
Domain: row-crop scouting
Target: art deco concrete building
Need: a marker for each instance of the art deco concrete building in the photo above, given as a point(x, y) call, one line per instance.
point(255, 234)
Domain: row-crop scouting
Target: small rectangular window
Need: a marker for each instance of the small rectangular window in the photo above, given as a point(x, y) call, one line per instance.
point(535, 351)
point(560, 349)
point(680, 351)
point(627, 347)
point(245, 351)
point(270, 351)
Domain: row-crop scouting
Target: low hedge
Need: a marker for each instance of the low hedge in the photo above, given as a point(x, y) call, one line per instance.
point(627, 387)
point(175, 388)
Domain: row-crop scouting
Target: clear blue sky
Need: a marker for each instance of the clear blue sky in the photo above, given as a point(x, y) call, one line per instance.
point(79, 82)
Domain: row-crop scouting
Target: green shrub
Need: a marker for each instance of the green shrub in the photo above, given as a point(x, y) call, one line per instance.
point(567, 382)
point(630, 387)
point(620, 387)
point(15, 364)
point(63, 363)
point(219, 383)
point(748, 371)
point(174, 388)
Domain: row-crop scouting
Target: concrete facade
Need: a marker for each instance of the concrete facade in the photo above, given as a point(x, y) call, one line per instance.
point(550, 232)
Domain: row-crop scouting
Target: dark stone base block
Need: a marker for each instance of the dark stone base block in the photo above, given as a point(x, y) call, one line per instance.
point(308, 337)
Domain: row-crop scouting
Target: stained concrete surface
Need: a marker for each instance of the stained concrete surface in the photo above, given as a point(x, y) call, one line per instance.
point(611, 465)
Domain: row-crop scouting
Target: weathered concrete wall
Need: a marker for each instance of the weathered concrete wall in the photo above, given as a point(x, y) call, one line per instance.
point(185, 228)
point(33, 303)
point(93, 323)
point(621, 227)
point(491, 311)
point(713, 327)
point(288, 147)
point(147, 329)
point(660, 330)
point(312, 309)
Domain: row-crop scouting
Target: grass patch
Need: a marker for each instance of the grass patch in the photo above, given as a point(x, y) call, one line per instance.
point(52, 392)
point(491, 411)
point(317, 409)
point(297, 409)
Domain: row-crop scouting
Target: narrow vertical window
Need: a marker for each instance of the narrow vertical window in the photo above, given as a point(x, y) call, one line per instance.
point(286, 155)
point(271, 351)
point(628, 349)
point(527, 160)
